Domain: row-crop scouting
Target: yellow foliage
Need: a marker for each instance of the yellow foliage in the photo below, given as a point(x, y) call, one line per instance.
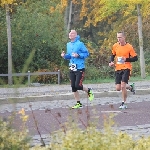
point(84, 9)
point(90, 48)
point(64, 3)
point(23, 117)
point(22, 111)
point(75, 2)
point(4, 2)
point(52, 9)
point(12, 139)
point(61, 6)
point(132, 1)
point(98, 10)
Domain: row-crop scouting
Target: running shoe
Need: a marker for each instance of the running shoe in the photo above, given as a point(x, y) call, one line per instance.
point(123, 106)
point(90, 94)
point(132, 88)
point(77, 105)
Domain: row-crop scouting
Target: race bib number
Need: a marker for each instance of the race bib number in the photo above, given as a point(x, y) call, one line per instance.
point(120, 60)
point(73, 67)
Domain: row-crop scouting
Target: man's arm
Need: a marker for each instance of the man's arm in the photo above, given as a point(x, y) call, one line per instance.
point(132, 59)
point(133, 55)
point(65, 56)
point(84, 53)
point(111, 63)
point(112, 57)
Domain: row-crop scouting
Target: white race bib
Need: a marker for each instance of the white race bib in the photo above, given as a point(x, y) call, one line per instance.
point(120, 60)
point(73, 67)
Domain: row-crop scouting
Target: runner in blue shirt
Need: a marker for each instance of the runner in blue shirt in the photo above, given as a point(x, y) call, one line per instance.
point(76, 54)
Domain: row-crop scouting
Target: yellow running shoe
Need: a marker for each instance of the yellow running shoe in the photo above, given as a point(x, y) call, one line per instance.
point(90, 94)
point(77, 105)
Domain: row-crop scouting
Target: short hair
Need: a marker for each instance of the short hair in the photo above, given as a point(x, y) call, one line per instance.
point(122, 32)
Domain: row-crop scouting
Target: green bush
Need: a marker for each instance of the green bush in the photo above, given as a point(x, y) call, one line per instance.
point(10, 139)
point(72, 137)
point(135, 69)
point(93, 73)
point(93, 139)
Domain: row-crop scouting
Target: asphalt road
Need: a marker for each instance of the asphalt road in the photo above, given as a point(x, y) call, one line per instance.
point(46, 115)
point(50, 118)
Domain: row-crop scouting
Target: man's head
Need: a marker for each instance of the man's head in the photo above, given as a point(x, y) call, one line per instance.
point(72, 35)
point(121, 38)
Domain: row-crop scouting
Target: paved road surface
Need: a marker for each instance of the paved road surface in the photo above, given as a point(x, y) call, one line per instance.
point(50, 115)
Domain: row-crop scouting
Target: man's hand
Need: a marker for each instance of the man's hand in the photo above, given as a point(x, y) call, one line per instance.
point(62, 54)
point(75, 55)
point(111, 64)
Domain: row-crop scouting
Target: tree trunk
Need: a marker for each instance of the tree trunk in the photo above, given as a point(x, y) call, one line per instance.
point(66, 15)
point(70, 15)
point(142, 59)
point(9, 46)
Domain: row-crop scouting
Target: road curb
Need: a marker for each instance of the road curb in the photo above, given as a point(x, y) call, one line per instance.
point(67, 96)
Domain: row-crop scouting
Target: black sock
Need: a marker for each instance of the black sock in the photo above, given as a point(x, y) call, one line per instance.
point(78, 102)
point(122, 103)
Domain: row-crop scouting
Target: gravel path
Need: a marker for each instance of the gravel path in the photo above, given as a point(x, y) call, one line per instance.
point(57, 89)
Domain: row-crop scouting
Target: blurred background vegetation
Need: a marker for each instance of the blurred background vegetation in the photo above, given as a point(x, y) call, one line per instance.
point(39, 29)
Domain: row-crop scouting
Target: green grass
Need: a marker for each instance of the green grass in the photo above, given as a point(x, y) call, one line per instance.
point(132, 79)
point(139, 78)
point(13, 86)
point(98, 81)
point(101, 80)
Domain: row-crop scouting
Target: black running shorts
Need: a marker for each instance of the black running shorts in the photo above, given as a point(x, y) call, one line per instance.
point(76, 79)
point(122, 75)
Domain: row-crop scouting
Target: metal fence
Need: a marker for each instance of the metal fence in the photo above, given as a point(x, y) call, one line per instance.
point(29, 74)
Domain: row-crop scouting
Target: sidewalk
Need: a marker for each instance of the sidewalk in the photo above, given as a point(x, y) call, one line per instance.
point(63, 92)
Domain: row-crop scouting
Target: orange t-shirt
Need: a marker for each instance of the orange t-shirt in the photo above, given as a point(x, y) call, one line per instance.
point(126, 51)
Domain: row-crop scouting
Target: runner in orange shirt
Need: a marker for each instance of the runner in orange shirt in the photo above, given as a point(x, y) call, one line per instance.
point(122, 55)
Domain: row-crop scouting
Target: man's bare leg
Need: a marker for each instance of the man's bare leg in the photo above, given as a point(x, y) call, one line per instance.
point(76, 96)
point(122, 87)
point(124, 91)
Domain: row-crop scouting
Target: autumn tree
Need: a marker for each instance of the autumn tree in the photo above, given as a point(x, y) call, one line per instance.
point(36, 31)
point(130, 9)
point(7, 5)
